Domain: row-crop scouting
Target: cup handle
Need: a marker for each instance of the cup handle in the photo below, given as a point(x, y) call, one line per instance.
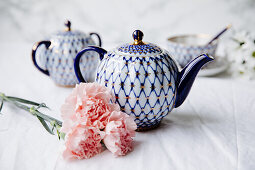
point(77, 69)
point(35, 47)
point(98, 37)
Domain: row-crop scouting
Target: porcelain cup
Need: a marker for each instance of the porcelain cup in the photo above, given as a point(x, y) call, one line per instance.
point(185, 48)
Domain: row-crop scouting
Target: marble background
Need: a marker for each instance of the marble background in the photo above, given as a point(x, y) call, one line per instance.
point(31, 20)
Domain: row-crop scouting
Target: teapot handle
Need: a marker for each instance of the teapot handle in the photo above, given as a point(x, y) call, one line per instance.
point(35, 47)
point(98, 37)
point(77, 69)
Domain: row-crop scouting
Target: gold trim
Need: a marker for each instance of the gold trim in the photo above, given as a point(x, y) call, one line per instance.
point(138, 42)
point(173, 39)
point(141, 129)
point(147, 74)
point(65, 86)
point(68, 25)
point(67, 29)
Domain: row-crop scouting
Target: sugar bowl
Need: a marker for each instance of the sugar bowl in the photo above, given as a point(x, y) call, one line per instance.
point(56, 59)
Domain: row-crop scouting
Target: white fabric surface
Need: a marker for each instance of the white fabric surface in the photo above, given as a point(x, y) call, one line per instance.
point(213, 129)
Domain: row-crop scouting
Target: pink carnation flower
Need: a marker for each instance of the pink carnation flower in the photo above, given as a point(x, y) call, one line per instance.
point(88, 117)
point(88, 104)
point(119, 132)
point(82, 143)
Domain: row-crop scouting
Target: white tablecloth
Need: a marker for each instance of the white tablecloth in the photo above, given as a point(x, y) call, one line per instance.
point(213, 129)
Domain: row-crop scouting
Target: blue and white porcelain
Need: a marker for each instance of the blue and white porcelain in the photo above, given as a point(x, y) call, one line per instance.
point(144, 79)
point(57, 58)
point(185, 48)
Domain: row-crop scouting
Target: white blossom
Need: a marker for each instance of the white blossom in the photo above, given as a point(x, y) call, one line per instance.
point(241, 54)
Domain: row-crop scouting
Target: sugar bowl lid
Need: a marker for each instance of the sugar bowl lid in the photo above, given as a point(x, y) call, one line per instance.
point(68, 32)
point(138, 47)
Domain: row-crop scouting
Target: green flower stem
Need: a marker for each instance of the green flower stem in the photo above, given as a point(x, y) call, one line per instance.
point(33, 110)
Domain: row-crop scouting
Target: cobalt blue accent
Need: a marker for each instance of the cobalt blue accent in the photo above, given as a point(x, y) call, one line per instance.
point(138, 35)
point(68, 25)
point(98, 37)
point(144, 86)
point(139, 49)
point(35, 47)
point(77, 69)
point(187, 76)
point(61, 34)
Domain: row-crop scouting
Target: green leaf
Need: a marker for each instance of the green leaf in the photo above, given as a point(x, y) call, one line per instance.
point(58, 134)
point(253, 54)
point(1, 105)
point(52, 129)
point(27, 101)
point(62, 135)
point(241, 43)
point(41, 105)
point(45, 125)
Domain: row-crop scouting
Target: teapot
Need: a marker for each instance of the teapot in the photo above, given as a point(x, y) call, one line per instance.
point(57, 58)
point(144, 78)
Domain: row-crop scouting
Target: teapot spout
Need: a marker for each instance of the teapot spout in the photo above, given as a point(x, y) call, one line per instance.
point(187, 76)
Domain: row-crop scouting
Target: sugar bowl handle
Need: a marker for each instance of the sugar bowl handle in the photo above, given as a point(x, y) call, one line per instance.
point(98, 37)
point(77, 69)
point(35, 47)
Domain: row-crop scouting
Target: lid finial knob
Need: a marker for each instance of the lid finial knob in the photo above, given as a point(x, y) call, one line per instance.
point(138, 37)
point(68, 25)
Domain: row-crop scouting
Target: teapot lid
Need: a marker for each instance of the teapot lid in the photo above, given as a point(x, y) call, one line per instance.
point(68, 31)
point(138, 47)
